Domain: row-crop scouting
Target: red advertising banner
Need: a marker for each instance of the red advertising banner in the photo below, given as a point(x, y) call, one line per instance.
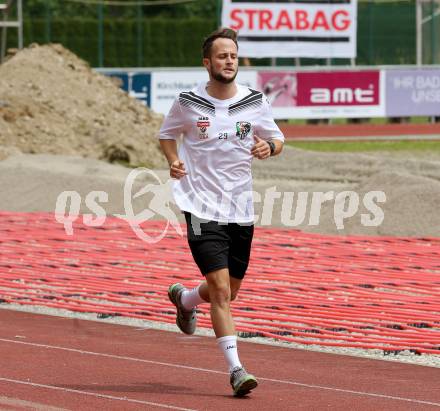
point(338, 88)
point(324, 94)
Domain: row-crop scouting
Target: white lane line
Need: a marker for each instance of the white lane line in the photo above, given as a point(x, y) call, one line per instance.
point(93, 394)
point(35, 406)
point(187, 367)
point(370, 394)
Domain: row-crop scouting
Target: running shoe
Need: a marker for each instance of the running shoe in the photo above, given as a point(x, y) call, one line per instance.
point(242, 382)
point(186, 320)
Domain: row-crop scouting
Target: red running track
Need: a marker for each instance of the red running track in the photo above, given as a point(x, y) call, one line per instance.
point(55, 363)
point(354, 131)
point(363, 292)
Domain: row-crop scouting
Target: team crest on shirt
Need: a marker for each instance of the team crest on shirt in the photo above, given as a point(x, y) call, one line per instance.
point(203, 124)
point(243, 129)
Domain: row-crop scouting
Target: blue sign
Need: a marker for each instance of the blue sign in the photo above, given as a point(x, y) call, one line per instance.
point(136, 84)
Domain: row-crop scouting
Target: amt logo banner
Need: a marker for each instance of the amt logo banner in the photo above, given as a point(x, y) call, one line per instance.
point(136, 84)
point(339, 88)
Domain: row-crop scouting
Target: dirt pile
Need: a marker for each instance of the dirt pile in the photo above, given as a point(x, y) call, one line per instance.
point(409, 208)
point(410, 187)
point(52, 102)
point(410, 184)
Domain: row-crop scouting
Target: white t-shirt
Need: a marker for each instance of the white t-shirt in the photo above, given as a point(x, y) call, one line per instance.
point(218, 136)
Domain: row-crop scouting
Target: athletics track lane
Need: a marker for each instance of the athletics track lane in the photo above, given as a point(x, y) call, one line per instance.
point(85, 365)
point(358, 132)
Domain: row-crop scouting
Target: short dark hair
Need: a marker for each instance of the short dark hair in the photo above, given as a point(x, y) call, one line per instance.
point(221, 33)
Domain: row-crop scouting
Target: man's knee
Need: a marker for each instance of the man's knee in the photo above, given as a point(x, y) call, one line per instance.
point(219, 293)
point(219, 289)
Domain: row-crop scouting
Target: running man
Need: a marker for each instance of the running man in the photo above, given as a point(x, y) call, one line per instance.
point(224, 125)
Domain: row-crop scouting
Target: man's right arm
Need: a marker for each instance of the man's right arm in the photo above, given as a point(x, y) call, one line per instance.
point(177, 168)
point(171, 129)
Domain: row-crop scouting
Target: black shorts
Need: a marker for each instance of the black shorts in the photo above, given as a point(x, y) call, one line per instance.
point(215, 245)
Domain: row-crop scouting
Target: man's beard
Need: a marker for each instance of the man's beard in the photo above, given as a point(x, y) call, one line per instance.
point(222, 79)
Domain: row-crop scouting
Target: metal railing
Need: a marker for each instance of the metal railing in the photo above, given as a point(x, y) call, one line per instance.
point(5, 23)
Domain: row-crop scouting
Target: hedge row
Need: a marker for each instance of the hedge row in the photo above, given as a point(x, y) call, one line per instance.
point(386, 35)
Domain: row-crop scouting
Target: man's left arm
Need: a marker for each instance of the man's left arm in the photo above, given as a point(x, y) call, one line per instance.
point(278, 147)
point(266, 148)
point(269, 140)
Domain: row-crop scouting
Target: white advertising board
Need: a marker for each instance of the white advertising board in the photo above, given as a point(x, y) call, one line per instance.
point(312, 28)
point(166, 85)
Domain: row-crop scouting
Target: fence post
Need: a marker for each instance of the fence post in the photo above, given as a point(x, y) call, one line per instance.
point(219, 13)
point(434, 34)
point(419, 44)
point(139, 24)
point(48, 31)
point(370, 32)
point(100, 35)
point(20, 23)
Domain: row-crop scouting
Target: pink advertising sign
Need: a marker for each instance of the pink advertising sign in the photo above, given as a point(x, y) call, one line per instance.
point(338, 88)
point(324, 94)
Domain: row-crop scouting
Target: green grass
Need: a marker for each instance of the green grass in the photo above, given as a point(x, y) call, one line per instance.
point(358, 146)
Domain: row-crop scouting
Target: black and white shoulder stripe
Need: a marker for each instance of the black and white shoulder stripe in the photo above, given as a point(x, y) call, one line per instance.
point(252, 100)
point(190, 99)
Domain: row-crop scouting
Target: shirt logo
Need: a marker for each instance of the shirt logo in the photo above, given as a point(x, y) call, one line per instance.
point(243, 129)
point(203, 124)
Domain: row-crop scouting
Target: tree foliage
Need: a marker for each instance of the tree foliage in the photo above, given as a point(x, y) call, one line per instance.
point(65, 8)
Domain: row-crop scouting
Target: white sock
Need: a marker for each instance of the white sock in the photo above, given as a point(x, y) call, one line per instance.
point(228, 345)
point(191, 298)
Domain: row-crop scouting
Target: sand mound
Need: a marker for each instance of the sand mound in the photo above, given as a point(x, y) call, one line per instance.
point(52, 102)
point(412, 204)
point(410, 184)
point(30, 183)
point(34, 182)
point(343, 167)
point(409, 209)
